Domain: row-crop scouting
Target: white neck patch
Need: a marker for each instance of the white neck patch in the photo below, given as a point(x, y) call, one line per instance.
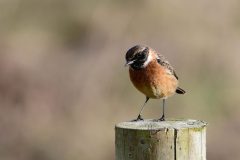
point(149, 59)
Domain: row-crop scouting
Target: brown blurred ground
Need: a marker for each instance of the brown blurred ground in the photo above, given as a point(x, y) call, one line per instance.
point(63, 85)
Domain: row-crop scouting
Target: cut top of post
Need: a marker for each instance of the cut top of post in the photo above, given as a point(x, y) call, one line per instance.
point(150, 124)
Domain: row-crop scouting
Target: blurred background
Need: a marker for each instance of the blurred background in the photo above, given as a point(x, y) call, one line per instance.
point(63, 84)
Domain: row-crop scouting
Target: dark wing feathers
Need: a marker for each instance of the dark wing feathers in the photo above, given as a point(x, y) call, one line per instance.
point(180, 91)
point(162, 61)
point(174, 73)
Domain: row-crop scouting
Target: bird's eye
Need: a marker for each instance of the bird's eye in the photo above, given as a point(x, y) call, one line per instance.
point(141, 56)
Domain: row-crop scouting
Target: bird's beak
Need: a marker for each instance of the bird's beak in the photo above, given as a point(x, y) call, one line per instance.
point(129, 63)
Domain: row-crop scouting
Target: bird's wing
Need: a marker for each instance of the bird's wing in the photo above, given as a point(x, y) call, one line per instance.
point(163, 61)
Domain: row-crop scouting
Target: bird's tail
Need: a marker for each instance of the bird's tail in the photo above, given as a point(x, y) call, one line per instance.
point(180, 91)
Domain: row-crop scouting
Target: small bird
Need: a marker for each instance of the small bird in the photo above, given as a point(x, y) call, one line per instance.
point(152, 75)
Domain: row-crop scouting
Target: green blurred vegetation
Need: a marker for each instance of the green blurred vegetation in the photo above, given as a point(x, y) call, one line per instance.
point(63, 85)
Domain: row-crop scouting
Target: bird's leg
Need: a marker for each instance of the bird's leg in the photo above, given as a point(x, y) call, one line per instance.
point(163, 115)
point(140, 113)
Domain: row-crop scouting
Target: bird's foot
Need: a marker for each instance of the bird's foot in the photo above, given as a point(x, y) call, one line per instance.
point(139, 118)
point(160, 119)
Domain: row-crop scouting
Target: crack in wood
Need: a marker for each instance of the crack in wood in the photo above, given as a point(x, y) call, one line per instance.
point(175, 144)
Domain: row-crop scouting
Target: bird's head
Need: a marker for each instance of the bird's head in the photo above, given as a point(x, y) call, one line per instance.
point(138, 57)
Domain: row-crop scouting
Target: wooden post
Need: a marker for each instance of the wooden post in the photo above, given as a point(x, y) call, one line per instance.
point(166, 140)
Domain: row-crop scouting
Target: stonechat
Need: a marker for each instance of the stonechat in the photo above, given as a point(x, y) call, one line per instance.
point(152, 75)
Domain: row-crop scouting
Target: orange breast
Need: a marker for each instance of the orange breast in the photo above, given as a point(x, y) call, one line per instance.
point(154, 81)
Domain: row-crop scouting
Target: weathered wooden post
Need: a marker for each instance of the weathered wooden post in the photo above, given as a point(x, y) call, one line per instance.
point(166, 140)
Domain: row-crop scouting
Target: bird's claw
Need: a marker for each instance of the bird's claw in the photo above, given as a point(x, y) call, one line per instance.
point(162, 118)
point(139, 118)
